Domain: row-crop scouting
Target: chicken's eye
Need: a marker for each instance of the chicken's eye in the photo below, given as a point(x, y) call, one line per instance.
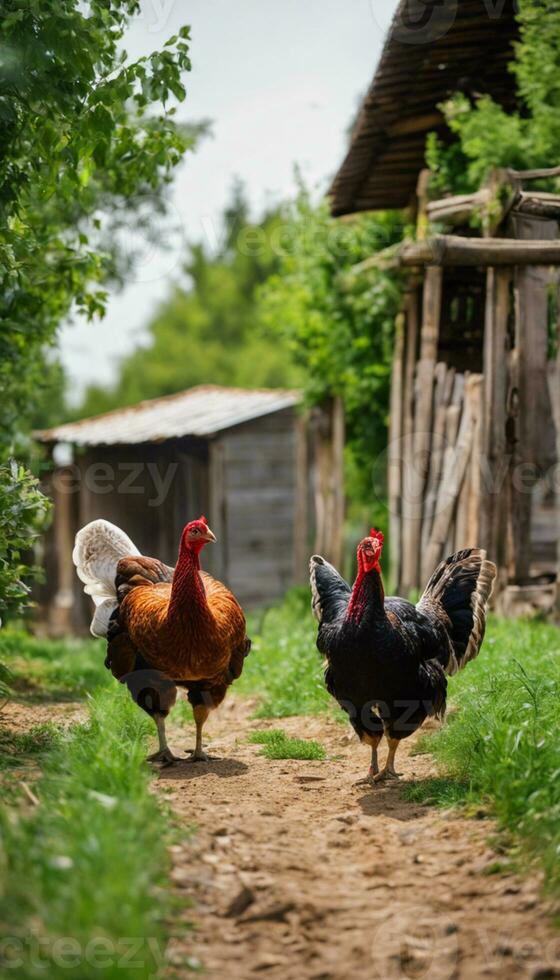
point(195, 531)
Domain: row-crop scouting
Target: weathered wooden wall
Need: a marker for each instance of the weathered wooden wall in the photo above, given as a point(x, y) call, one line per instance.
point(254, 501)
point(270, 489)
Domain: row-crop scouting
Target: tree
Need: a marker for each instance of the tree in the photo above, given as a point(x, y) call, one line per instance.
point(207, 329)
point(339, 324)
point(88, 137)
point(486, 136)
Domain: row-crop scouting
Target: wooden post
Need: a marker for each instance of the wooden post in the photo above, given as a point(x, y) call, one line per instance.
point(395, 456)
point(218, 556)
point(406, 565)
point(301, 516)
point(416, 467)
point(63, 486)
point(329, 480)
point(494, 459)
point(532, 452)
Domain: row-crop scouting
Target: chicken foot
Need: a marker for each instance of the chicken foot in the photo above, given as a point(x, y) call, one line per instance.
point(389, 771)
point(200, 712)
point(164, 753)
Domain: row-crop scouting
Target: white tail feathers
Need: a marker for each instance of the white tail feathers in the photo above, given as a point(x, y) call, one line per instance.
point(98, 549)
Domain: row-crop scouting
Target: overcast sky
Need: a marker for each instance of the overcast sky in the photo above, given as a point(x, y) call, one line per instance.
point(280, 80)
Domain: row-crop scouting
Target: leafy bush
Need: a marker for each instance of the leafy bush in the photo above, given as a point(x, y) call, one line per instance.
point(23, 510)
point(486, 135)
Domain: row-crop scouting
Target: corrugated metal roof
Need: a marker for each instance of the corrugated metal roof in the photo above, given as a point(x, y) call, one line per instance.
point(434, 48)
point(202, 411)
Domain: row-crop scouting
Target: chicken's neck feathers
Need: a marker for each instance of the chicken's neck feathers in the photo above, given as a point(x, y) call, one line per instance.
point(188, 607)
point(367, 602)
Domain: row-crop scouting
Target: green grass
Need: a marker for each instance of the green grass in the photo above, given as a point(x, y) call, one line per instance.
point(284, 668)
point(53, 670)
point(502, 746)
point(17, 748)
point(441, 792)
point(278, 745)
point(90, 861)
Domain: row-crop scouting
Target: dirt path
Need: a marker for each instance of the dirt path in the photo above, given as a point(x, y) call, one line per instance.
point(297, 873)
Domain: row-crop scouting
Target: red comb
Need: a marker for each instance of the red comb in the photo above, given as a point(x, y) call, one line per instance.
point(377, 535)
point(203, 519)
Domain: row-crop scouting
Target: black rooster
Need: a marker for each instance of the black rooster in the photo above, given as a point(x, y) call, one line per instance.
point(387, 659)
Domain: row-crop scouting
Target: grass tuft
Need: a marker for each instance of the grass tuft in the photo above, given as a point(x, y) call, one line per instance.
point(47, 670)
point(17, 747)
point(442, 792)
point(278, 745)
point(503, 742)
point(90, 861)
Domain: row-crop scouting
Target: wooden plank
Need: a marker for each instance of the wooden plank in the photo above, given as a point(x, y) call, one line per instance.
point(443, 389)
point(454, 468)
point(416, 467)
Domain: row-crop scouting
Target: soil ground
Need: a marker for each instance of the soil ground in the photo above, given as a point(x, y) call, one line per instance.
point(297, 873)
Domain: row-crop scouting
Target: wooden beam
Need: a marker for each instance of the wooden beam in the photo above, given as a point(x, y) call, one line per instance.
point(539, 204)
point(454, 250)
point(458, 208)
point(539, 174)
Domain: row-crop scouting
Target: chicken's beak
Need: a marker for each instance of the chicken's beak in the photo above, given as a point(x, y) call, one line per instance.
point(209, 536)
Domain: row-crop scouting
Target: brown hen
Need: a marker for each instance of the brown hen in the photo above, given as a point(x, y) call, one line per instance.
point(165, 627)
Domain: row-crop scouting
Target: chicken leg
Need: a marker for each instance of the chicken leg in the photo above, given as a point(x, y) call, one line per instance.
point(389, 771)
point(164, 753)
point(373, 771)
point(200, 712)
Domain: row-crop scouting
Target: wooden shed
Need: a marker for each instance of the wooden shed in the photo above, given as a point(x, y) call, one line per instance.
point(475, 406)
point(267, 475)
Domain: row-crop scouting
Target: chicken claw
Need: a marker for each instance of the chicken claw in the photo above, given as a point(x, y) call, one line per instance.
point(385, 774)
point(198, 755)
point(165, 756)
point(367, 780)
